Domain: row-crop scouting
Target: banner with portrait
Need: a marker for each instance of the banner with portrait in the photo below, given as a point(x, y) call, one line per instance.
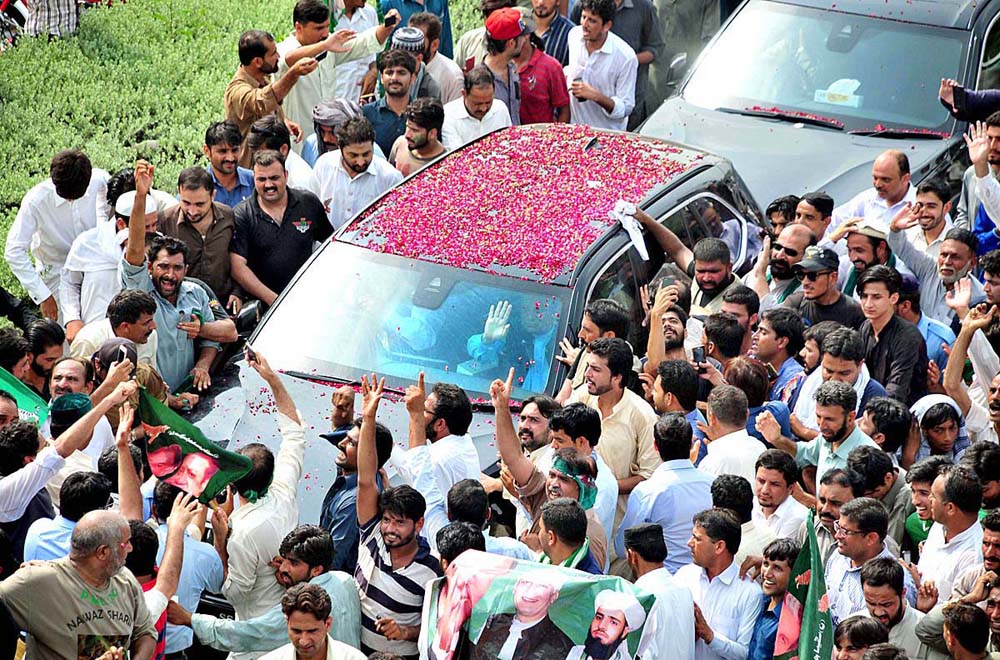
point(179, 454)
point(495, 607)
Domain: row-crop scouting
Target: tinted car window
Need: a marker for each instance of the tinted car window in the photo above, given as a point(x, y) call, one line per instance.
point(859, 70)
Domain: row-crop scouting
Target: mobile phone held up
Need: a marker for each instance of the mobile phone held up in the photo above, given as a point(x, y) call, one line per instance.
point(698, 356)
point(322, 56)
point(249, 353)
point(391, 20)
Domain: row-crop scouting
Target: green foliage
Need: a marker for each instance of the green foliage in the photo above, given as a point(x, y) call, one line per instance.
point(142, 79)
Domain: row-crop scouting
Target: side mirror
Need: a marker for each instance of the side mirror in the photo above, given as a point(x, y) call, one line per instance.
point(678, 66)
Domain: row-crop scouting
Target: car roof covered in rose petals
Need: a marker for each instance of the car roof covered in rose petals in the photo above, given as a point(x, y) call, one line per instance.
point(527, 201)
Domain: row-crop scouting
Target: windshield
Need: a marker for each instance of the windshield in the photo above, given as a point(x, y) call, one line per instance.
point(355, 311)
point(863, 72)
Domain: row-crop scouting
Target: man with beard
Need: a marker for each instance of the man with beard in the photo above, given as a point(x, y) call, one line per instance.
point(421, 143)
point(544, 94)
point(394, 561)
point(276, 230)
point(476, 113)
point(866, 247)
point(602, 318)
point(206, 226)
point(601, 87)
point(626, 419)
point(303, 558)
point(667, 330)
point(181, 307)
point(328, 117)
point(672, 495)
point(571, 473)
point(528, 633)
point(895, 352)
point(709, 265)
point(339, 515)
point(821, 298)
point(86, 593)
point(939, 278)
point(441, 68)
point(777, 341)
point(616, 614)
point(351, 178)
point(977, 584)
point(812, 349)
point(836, 406)
point(885, 598)
point(860, 536)
point(982, 422)
point(387, 115)
point(45, 339)
point(233, 183)
point(772, 277)
point(552, 28)
point(506, 36)
point(578, 427)
point(836, 488)
point(251, 94)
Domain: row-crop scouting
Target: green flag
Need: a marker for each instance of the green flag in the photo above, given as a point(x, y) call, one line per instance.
point(805, 629)
point(181, 455)
point(32, 407)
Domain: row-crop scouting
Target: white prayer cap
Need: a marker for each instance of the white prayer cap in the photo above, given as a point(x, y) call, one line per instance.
point(620, 601)
point(123, 206)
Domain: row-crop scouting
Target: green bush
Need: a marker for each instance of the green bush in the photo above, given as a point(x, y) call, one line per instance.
point(140, 79)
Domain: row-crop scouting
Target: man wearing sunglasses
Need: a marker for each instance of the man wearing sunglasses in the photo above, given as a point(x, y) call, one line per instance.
point(820, 298)
point(773, 278)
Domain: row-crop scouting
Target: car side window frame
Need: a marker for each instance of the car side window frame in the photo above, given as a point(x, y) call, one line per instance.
point(992, 30)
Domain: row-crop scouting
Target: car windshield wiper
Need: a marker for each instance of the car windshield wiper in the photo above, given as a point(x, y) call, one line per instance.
point(478, 404)
point(786, 115)
point(901, 133)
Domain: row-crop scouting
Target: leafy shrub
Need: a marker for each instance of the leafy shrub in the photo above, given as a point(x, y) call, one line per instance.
point(142, 79)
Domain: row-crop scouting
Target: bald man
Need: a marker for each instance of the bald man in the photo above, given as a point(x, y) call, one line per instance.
point(890, 192)
point(83, 605)
point(772, 278)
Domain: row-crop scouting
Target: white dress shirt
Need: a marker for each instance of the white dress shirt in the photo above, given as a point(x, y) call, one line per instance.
point(453, 458)
point(47, 224)
point(868, 205)
point(349, 74)
point(347, 195)
point(321, 84)
point(611, 70)
point(448, 76)
point(944, 562)
point(733, 453)
point(259, 528)
point(300, 175)
point(753, 539)
point(915, 235)
point(730, 606)
point(786, 519)
point(669, 631)
point(461, 127)
point(18, 488)
point(334, 650)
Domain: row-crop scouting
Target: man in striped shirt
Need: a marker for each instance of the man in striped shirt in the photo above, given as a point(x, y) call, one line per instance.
point(395, 563)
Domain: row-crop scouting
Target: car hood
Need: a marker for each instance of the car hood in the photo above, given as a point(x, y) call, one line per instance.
point(241, 411)
point(778, 158)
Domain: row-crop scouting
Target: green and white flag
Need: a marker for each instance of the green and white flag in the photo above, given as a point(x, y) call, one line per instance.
point(805, 629)
point(180, 454)
point(31, 407)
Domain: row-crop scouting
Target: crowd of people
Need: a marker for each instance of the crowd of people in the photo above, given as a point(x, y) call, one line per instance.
point(848, 383)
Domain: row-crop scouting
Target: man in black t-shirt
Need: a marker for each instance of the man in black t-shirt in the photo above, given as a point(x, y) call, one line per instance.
point(820, 298)
point(277, 228)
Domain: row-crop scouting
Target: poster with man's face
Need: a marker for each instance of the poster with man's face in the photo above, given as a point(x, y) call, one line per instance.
point(493, 607)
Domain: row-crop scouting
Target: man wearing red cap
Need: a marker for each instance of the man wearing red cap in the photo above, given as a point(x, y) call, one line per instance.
point(506, 36)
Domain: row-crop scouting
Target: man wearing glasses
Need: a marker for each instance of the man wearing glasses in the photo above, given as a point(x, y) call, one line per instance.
point(820, 298)
point(860, 536)
point(773, 278)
